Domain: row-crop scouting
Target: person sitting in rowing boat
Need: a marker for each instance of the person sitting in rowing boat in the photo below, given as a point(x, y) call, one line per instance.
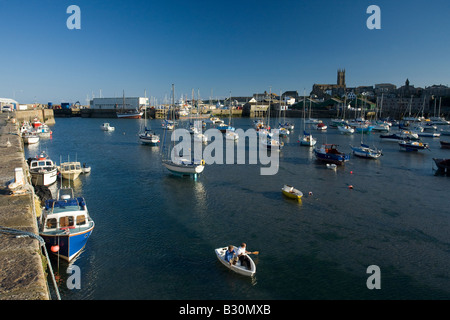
point(242, 255)
point(229, 254)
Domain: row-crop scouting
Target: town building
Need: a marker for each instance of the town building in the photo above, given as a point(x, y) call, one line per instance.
point(323, 90)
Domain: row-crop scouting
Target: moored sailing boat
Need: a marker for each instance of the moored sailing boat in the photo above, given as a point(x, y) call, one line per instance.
point(182, 166)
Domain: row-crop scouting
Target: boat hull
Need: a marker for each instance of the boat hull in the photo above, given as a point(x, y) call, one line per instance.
point(442, 164)
point(331, 155)
point(220, 253)
point(184, 169)
point(125, 115)
point(292, 193)
point(44, 178)
point(413, 146)
point(70, 244)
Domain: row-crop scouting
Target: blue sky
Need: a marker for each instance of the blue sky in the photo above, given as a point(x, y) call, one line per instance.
point(242, 47)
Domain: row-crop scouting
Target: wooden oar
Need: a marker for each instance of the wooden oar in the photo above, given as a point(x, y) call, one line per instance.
point(254, 252)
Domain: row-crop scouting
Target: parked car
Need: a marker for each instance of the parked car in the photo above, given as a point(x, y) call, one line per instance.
point(6, 108)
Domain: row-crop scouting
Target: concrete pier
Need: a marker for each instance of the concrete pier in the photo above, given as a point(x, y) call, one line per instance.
point(22, 275)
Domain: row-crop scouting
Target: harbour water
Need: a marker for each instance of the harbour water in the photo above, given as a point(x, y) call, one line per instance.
point(156, 233)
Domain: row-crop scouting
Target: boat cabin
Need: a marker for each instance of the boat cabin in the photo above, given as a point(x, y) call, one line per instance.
point(71, 166)
point(64, 213)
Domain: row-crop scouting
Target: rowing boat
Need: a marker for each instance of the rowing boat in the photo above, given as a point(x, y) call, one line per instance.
point(291, 192)
point(220, 253)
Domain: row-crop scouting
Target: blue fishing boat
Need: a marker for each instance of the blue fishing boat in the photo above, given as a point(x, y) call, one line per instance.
point(65, 224)
point(330, 153)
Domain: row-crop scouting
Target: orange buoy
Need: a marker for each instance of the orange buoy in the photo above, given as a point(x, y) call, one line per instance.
point(55, 248)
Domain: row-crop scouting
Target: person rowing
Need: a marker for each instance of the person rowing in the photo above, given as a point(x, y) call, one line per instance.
point(242, 256)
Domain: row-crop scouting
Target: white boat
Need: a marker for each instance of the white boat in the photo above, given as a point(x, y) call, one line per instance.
point(107, 127)
point(70, 170)
point(321, 126)
point(200, 137)
point(238, 268)
point(215, 120)
point(331, 166)
point(364, 151)
point(184, 167)
point(344, 128)
point(149, 137)
point(380, 126)
point(146, 135)
point(85, 169)
point(271, 143)
point(312, 121)
point(180, 166)
point(168, 124)
point(43, 131)
point(307, 140)
point(30, 137)
point(43, 170)
point(231, 135)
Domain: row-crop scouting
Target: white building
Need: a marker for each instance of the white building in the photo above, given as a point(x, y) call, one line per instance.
point(9, 102)
point(126, 103)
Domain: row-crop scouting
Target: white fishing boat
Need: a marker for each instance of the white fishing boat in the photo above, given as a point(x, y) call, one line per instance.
point(238, 268)
point(70, 170)
point(43, 170)
point(107, 127)
point(44, 131)
point(30, 137)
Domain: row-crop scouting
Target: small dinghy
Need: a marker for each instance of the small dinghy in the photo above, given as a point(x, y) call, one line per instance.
point(331, 166)
point(291, 192)
point(220, 253)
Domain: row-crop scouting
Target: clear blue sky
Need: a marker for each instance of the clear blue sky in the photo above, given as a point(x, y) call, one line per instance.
point(242, 47)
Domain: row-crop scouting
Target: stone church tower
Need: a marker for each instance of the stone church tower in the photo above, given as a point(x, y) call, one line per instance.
point(341, 78)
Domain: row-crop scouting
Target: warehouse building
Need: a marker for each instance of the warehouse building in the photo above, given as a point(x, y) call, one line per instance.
point(127, 103)
point(9, 102)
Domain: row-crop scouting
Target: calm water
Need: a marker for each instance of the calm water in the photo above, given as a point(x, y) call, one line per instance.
point(155, 233)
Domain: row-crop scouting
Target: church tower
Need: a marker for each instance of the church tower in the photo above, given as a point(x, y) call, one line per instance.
point(341, 77)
